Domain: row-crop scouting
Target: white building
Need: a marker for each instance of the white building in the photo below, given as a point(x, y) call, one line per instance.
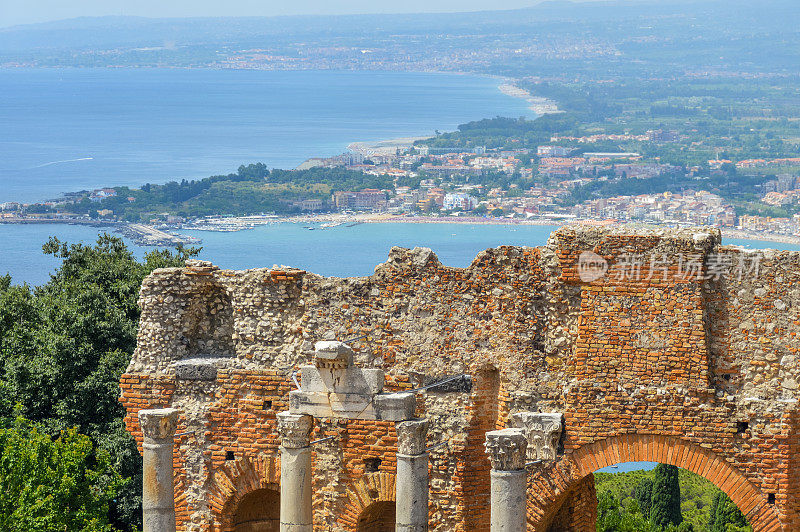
point(553, 151)
point(453, 201)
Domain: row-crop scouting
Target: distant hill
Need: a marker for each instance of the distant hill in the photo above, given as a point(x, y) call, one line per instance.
point(552, 33)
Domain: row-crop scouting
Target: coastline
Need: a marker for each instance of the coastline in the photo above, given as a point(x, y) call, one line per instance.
point(537, 104)
point(383, 147)
point(759, 237)
point(336, 219)
point(148, 235)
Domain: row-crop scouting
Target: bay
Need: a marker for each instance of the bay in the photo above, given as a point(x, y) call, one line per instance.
point(339, 251)
point(64, 130)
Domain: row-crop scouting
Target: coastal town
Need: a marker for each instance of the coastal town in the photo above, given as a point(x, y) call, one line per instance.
point(478, 185)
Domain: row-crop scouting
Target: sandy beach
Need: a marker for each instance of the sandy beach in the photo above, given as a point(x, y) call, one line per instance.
point(383, 147)
point(537, 104)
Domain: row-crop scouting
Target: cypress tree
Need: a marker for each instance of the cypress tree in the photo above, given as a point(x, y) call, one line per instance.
point(665, 507)
point(643, 493)
point(724, 513)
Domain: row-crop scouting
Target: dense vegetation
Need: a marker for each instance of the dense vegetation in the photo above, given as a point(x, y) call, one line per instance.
point(54, 484)
point(253, 189)
point(505, 133)
point(63, 347)
point(716, 117)
point(666, 499)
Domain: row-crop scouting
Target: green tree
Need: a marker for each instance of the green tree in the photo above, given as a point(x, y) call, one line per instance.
point(665, 506)
point(725, 516)
point(54, 485)
point(613, 516)
point(643, 493)
point(64, 345)
point(609, 516)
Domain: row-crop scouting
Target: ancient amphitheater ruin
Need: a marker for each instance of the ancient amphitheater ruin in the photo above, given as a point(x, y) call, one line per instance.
point(427, 397)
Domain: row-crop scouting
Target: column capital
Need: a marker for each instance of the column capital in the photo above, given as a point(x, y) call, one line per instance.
point(411, 436)
point(506, 449)
point(295, 429)
point(158, 423)
point(543, 432)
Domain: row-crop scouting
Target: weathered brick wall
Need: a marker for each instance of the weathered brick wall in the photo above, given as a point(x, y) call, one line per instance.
point(577, 512)
point(661, 358)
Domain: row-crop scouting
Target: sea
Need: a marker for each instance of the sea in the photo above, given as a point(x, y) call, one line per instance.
point(64, 130)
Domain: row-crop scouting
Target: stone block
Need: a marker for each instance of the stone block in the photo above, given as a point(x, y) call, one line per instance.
point(463, 384)
point(332, 354)
point(331, 405)
point(197, 369)
point(395, 406)
point(349, 380)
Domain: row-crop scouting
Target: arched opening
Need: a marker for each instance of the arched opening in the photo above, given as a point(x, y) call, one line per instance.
point(634, 494)
point(258, 511)
point(377, 517)
point(572, 478)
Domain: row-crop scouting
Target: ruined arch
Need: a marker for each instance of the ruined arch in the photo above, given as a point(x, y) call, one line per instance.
point(234, 481)
point(551, 487)
point(377, 517)
point(258, 511)
point(365, 492)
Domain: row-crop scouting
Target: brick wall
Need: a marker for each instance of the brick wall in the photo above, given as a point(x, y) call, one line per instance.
point(646, 362)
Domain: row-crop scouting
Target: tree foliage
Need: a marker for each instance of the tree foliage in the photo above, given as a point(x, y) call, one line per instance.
point(698, 499)
point(643, 493)
point(501, 132)
point(253, 189)
point(64, 345)
point(665, 505)
point(726, 516)
point(54, 484)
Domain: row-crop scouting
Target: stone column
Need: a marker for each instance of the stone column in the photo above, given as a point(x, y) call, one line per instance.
point(295, 431)
point(411, 484)
point(158, 496)
point(506, 449)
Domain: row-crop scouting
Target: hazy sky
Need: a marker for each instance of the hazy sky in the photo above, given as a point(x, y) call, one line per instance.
point(27, 11)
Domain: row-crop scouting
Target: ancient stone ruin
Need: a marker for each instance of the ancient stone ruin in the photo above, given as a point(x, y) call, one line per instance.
point(603, 346)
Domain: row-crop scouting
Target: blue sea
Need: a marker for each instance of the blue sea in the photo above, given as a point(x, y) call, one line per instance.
point(63, 130)
point(339, 251)
point(70, 129)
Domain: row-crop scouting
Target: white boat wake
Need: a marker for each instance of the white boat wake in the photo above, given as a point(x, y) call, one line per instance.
point(64, 161)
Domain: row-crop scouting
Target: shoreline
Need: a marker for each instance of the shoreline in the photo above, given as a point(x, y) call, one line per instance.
point(538, 104)
point(383, 147)
point(143, 234)
point(378, 147)
point(336, 219)
point(508, 86)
